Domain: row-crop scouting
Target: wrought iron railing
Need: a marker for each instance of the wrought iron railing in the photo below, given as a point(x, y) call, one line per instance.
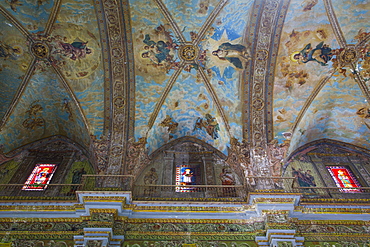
point(49, 192)
point(107, 182)
point(334, 192)
point(269, 185)
point(190, 192)
point(252, 184)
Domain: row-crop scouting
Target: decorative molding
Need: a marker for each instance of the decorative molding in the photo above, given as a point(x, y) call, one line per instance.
point(121, 83)
point(315, 144)
point(334, 23)
point(211, 18)
point(15, 23)
point(344, 210)
point(274, 200)
point(170, 20)
point(19, 93)
point(266, 24)
point(52, 17)
point(311, 98)
point(194, 235)
point(164, 95)
point(274, 237)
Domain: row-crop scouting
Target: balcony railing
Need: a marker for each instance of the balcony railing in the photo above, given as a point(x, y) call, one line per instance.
point(50, 192)
point(190, 192)
point(269, 185)
point(107, 182)
point(252, 184)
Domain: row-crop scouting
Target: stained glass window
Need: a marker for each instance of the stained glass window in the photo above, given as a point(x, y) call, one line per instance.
point(344, 178)
point(185, 175)
point(40, 177)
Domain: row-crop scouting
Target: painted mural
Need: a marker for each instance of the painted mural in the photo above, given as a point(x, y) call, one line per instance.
point(182, 64)
point(77, 52)
point(7, 170)
point(312, 57)
point(74, 176)
point(43, 115)
point(160, 54)
point(305, 175)
point(323, 164)
point(14, 62)
point(33, 15)
point(195, 114)
point(66, 48)
point(187, 62)
point(335, 115)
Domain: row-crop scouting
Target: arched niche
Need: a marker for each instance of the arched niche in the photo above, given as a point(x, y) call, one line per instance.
point(68, 160)
point(330, 164)
point(207, 164)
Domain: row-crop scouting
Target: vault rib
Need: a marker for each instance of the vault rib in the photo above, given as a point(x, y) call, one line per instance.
point(342, 42)
point(334, 23)
point(310, 99)
point(216, 100)
point(164, 95)
point(52, 17)
point(169, 18)
point(361, 82)
point(363, 42)
point(19, 93)
point(211, 18)
point(14, 21)
point(73, 96)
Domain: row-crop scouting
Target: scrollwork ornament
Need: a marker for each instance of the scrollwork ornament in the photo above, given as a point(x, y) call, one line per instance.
point(100, 149)
point(348, 56)
point(110, 4)
point(258, 104)
point(40, 50)
point(271, 5)
point(239, 156)
point(137, 156)
point(112, 19)
point(188, 52)
point(119, 102)
point(117, 52)
point(116, 151)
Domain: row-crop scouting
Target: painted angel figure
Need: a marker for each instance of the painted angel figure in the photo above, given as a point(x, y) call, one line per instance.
point(6, 51)
point(157, 52)
point(235, 54)
point(321, 53)
point(75, 50)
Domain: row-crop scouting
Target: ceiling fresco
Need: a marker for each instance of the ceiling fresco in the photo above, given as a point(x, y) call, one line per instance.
point(317, 96)
point(52, 78)
point(32, 15)
point(14, 62)
point(182, 95)
point(50, 112)
point(161, 70)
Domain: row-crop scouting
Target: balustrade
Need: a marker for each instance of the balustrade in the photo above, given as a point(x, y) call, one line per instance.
point(252, 184)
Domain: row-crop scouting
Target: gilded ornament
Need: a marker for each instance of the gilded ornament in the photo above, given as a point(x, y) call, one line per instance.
point(258, 104)
point(40, 50)
point(348, 56)
point(188, 52)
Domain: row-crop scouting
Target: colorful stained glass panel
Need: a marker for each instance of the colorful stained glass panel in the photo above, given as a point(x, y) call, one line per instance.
point(344, 178)
point(40, 177)
point(185, 175)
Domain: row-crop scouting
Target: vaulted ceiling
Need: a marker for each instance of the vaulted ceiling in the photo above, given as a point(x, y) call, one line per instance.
point(295, 71)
